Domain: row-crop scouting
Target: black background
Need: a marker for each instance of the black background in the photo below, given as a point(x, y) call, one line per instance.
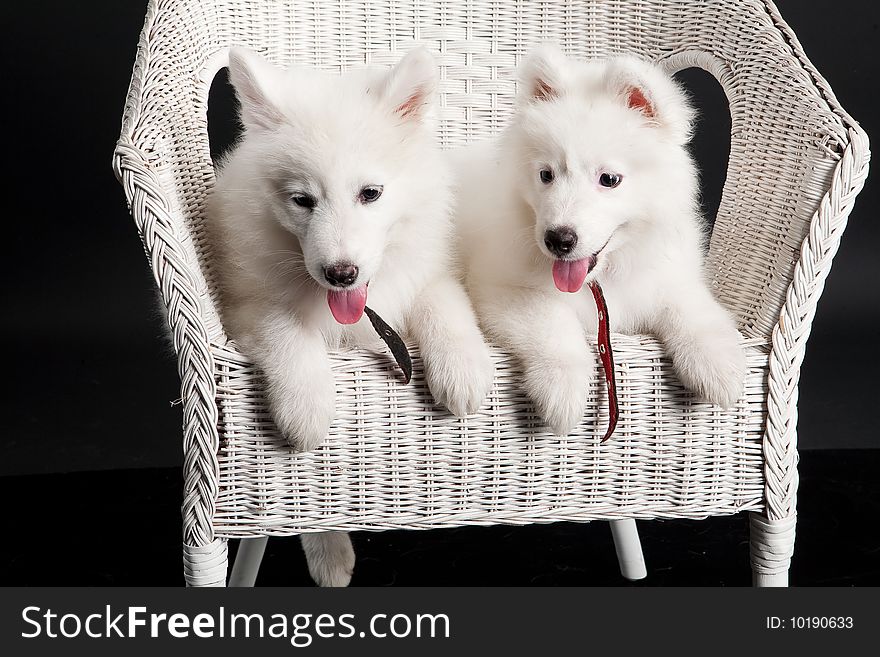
point(92, 378)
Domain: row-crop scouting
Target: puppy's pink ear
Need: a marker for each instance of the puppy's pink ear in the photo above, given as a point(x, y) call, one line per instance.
point(637, 100)
point(410, 87)
point(258, 86)
point(542, 75)
point(649, 90)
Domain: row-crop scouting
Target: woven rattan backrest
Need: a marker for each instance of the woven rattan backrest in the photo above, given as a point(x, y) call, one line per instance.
point(788, 132)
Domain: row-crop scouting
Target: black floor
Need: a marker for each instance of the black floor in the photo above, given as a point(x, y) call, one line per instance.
point(122, 528)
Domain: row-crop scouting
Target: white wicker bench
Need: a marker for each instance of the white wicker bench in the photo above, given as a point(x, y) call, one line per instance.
point(394, 458)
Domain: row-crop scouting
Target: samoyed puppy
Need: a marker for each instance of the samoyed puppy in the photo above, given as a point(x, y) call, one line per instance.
point(592, 181)
point(338, 191)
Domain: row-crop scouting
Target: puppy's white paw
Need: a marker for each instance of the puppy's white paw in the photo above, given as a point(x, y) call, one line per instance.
point(461, 376)
point(305, 422)
point(330, 556)
point(714, 366)
point(560, 391)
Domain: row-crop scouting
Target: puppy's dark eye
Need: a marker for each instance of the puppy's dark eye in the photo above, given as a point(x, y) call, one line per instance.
point(546, 176)
point(610, 180)
point(370, 193)
point(303, 201)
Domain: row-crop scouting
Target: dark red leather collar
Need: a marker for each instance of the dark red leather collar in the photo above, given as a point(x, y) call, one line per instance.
point(606, 357)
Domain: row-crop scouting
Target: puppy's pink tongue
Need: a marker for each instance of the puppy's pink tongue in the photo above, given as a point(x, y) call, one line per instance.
point(569, 275)
point(347, 306)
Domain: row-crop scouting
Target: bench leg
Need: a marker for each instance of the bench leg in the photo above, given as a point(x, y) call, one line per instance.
point(629, 549)
point(247, 561)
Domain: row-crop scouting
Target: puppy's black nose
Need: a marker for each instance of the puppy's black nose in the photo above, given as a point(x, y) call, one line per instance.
point(560, 241)
point(342, 274)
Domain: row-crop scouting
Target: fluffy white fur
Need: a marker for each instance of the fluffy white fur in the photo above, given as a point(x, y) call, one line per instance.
point(579, 120)
point(325, 137)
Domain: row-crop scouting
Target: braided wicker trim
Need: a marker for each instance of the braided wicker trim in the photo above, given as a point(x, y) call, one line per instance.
point(195, 363)
point(791, 333)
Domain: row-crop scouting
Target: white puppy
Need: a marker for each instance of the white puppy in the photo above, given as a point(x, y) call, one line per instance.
point(338, 184)
point(592, 181)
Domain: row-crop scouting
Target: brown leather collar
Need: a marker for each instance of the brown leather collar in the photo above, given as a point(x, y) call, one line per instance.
point(395, 344)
